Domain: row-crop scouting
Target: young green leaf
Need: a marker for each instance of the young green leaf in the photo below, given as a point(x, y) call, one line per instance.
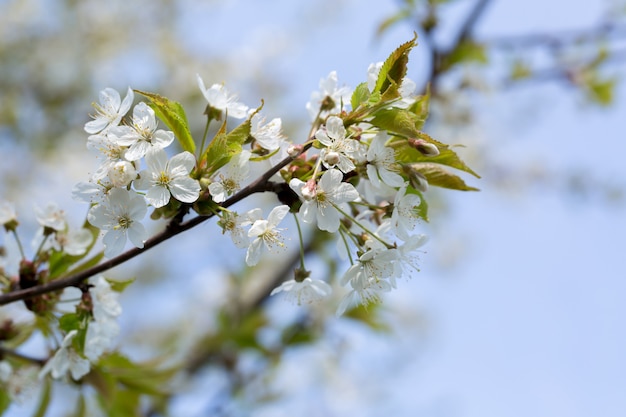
point(393, 71)
point(360, 95)
point(224, 146)
point(438, 176)
point(173, 115)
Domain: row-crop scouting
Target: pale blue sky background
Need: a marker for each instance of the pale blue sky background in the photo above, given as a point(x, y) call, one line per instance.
point(529, 318)
point(529, 321)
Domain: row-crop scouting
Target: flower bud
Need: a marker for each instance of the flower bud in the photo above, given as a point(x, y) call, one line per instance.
point(294, 150)
point(309, 190)
point(425, 148)
point(331, 158)
point(122, 173)
point(416, 178)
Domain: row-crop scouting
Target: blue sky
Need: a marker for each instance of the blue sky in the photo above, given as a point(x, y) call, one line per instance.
point(527, 319)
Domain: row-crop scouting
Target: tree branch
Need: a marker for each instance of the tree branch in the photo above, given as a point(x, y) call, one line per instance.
point(173, 228)
point(9, 352)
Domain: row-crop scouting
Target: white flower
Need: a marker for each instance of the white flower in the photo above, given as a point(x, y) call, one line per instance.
point(338, 148)
point(319, 200)
point(305, 292)
point(266, 234)
point(107, 152)
point(72, 242)
point(407, 257)
point(382, 163)
point(5, 371)
point(143, 135)
point(66, 358)
point(371, 275)
point(328, 87)
point(21, 383)
point(122, 173)
point(104, 329)
point(120, 215)
point(217, 96)
point(233, 223)
point(231, 176)
point(105, 304)
point(51, 216)
point(406, 212)
point(91, 192)
point(110, 110)
point(163, 177)
point(268, 135)
point(7, 213)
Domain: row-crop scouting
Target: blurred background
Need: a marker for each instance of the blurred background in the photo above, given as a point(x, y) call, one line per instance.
point(518, 309)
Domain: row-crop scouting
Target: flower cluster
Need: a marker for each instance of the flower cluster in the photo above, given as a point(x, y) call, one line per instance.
point(114, 188)
point(96, 329)
point(351, 183)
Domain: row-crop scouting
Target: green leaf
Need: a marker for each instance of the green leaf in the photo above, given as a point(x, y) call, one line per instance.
point(360, 95)
point(407, 154)
point(119, 286)
point(173, 115)
point(520, 70)
point(144, 378)
point(395, 120)
point(80, 410)
point(44, 400)
point(438, 176)
point(69, 322)
point(5, 401)
point(420, 109)
point(601, 91)
point(465, 52)
point(393, 71)
point(93, 261)
point(391, 20)
point(225, 145)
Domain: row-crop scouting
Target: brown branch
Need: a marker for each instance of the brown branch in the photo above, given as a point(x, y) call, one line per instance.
point(173, 228)
point(438, 55)
point(557, 40)
point(9, 352)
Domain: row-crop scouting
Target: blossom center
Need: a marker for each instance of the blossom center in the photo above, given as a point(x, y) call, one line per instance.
point(123, 222)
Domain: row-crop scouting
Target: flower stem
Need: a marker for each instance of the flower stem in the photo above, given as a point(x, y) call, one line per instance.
point(204, 135)
point(301, 242)
point(19, 243)
point(374, 235)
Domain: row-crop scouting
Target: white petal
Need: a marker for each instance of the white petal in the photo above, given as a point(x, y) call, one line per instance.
point(254, 252)
point(185, 189)
point(158, 196)
point(277, 214)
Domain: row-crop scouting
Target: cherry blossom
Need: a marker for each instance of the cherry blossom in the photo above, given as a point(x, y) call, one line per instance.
point(321, 199)
point(142, 135)
point(66, 359)
point(265, 233)
point(218, 97)
point(110, 110)
point(306, 291)
point(163, 178)
point(338, 148)
point(120, 216)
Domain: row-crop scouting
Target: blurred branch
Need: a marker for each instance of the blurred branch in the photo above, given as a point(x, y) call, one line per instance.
point(558, 40)
point(438, 55)
point(9, 352)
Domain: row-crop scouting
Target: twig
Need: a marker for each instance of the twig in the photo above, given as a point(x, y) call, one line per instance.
point(173, 228)
point(9, 352)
